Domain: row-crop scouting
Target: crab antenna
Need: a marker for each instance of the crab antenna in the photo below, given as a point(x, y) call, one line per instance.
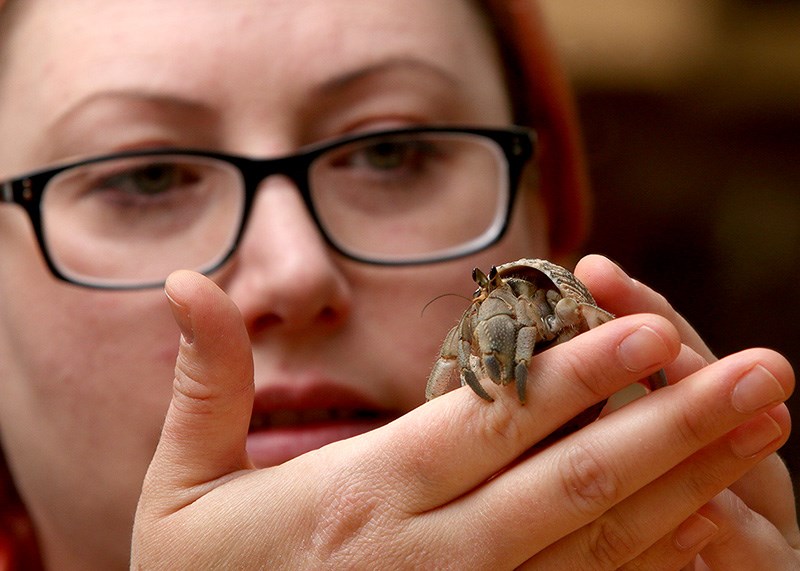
point(438, 297)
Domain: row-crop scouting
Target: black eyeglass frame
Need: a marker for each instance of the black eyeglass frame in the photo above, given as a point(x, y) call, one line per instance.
point(517, 144)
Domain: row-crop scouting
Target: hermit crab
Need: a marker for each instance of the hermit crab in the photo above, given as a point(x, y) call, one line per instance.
point(519, 309)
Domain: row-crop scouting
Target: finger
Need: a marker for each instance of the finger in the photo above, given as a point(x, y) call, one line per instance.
point(616, 292)
point(679, 549)
point(687, 363)
point(472, 439)
point(746, 540)
point(767, 489)
point(624, 533)
point(581, 477)
point(205, 429)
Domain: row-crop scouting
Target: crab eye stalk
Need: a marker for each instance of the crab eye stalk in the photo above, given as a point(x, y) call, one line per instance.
point(479, 277)
point(495, 281)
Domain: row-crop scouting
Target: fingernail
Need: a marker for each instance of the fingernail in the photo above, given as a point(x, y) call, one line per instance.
point(641, 350)
point(754, 436)
point(182, 318)
point(694, 531)
point(756, 389)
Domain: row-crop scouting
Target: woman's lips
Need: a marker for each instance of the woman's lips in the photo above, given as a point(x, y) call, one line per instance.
point(289, 421)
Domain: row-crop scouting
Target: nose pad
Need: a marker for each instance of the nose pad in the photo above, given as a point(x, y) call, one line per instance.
point(284, 273)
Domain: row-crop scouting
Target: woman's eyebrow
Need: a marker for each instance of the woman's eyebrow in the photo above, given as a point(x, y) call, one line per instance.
point(393, 65)
point(107, 114)
point(133, 97)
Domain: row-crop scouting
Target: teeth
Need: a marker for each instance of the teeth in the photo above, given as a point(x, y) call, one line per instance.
point(283, 418)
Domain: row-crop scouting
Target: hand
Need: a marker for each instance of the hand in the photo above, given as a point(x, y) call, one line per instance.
point(754, 524)
point(449, 484)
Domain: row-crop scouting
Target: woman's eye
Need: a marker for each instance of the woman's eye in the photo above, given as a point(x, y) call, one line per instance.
point(388, 155)
point(148, 180)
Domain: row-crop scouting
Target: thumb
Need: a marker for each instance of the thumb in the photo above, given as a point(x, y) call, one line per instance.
point(205, 430)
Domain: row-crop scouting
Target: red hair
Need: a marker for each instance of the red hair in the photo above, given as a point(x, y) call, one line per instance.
point(18, 549)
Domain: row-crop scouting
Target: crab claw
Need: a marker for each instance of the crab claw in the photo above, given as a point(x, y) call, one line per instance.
point(493, 369)
point(470, 379)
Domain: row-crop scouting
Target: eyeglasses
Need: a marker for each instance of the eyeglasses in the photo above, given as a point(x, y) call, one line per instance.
point(405, 196)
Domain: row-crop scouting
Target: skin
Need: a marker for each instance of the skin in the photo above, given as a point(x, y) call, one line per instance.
point(288, 317)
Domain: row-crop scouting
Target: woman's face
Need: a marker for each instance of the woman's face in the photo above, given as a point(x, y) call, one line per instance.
point(339, 347)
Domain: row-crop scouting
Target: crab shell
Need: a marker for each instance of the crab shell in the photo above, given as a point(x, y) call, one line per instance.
point(547, 275)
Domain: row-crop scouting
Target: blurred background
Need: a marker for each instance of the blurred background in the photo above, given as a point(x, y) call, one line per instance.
point(691, 115)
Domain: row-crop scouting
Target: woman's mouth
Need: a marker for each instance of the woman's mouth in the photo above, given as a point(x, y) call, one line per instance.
point(287, 423)
point(294, 418)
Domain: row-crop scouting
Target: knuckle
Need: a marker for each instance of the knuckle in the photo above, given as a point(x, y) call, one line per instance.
point(200, 383)
point(691, 426)
point(353, 524)
point(589, 482)
point(191, 393)
point(612, 543)
point(502, 421)
point(346, 514)
point(705, 481)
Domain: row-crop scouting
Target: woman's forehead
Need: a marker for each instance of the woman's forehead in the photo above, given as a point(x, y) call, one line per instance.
point(85, 42)
point(77, 24)
point(269, 53)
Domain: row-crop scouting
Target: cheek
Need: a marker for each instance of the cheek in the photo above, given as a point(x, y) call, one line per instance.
point(70, 354)
point(85, 378)
point(400, 325)
point(528, 230)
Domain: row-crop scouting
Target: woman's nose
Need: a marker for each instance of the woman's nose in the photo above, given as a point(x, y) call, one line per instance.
point(283, 275)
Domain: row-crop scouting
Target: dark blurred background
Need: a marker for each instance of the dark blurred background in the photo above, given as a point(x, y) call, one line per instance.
point(691, 113)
